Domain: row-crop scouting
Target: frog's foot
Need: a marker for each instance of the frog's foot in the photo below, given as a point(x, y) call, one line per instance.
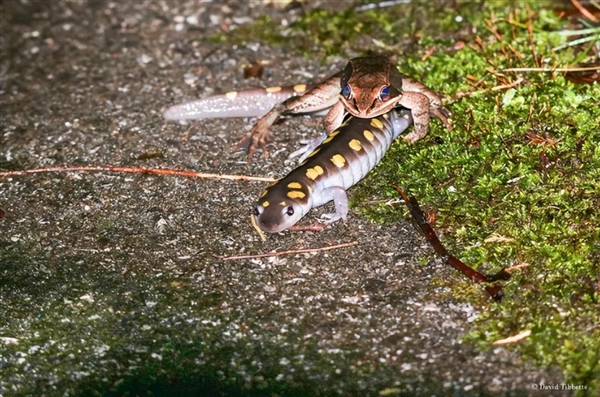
point(259, 136)
point(442, 114)
point(419, 131)
point(308, 148)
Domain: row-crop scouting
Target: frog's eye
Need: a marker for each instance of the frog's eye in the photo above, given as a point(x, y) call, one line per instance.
point(347, 91)
point(289, 210)
point(384, 93)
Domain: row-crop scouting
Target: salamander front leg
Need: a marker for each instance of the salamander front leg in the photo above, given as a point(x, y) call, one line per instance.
point(308, 147)
point(340, 200)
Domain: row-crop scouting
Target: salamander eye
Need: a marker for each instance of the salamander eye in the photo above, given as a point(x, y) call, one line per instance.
point(289, 210)
point(384, 93)
point(347, 91)
point(256, 211)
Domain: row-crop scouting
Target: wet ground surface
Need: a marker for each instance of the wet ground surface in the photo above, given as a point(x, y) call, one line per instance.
point(113, 283)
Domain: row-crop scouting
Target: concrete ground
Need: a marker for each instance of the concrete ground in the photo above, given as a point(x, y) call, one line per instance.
point(111, 284)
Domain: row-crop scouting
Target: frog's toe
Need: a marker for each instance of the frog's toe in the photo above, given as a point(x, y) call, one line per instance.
point(410, 139)
point(418, 133)
point(443, 114)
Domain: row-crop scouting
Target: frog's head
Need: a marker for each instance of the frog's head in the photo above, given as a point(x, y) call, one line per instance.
point(370, 87)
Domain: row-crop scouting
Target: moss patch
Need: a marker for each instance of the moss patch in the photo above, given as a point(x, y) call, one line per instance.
point(515, 183)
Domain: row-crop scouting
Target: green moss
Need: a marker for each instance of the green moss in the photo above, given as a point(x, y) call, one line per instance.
point(522, 164)
point(349, 30)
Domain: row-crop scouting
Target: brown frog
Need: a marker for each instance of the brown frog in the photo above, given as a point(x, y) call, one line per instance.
point(366, 88)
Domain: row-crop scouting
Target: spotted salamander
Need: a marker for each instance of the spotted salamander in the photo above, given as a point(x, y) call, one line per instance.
point(341, 160)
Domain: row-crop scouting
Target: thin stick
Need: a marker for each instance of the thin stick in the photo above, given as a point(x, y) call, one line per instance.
point(419, 218)
point(512, 339)
point(517, 82)
point(585, 69)
point(137, 170)
point(530, 34)
point(291, 252)
point(584, 11)
point(516, 267)
point(258, 230)
point(308, 227)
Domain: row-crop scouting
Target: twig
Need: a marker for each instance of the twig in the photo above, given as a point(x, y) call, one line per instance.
point(308, 227)
point(258, 229)
point(585, 69)
point(380, 5)
point(291, 252)
point(419, 217)
point(136, 170)
point(516, 267)
point(428, 54)
point(492, 30)
point(530, 34)
point(584, 11)
point(512, 339)
point(515, 83)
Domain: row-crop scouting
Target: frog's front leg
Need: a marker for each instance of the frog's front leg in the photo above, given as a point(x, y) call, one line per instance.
point(335, 117)
point(316, 99)
point(419, 107)
point(435, 102)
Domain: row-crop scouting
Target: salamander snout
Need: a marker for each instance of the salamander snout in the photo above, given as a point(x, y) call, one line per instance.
point(274, 218)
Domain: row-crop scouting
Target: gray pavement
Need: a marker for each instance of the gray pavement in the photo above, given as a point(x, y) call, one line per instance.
point(111, 284)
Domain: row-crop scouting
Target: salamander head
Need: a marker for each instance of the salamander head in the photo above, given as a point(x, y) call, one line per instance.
point(273, 217)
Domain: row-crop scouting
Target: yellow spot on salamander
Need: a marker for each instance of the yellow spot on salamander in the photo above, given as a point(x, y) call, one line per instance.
point(265, 204)
point(263, 194)
point(338, 160)
point(369, 135)
point(313, 173)
point(334, 133)
point(283, 204)
point(328, 139)
point(294, 185)
point(296, 194)
point(273, 89)
point(314, 152)
point(386, 116)
point(376, 123)
point(300, 87)
point(231, 95)
point(355, 145)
